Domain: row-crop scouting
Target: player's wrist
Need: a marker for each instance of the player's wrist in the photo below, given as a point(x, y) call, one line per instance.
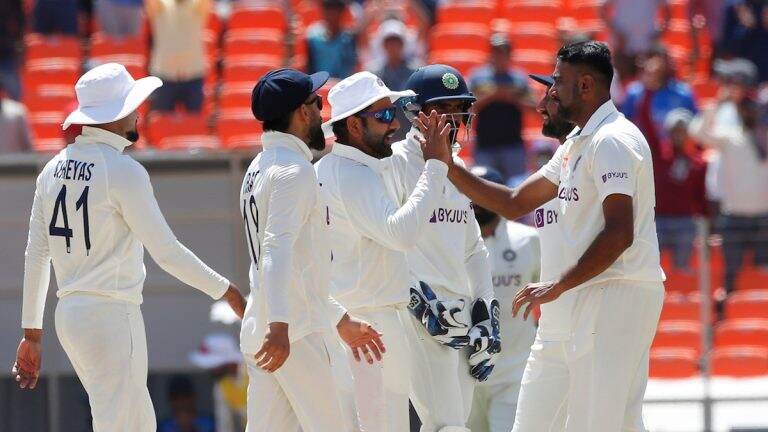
point(33, 335)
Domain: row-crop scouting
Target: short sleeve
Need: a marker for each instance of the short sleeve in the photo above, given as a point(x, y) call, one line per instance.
point(614, 167)
point(551, 171)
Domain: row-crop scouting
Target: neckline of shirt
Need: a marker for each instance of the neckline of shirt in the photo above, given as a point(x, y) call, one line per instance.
point(357, 155)
point(594, 122)
point(95, 135)
point(291, 142)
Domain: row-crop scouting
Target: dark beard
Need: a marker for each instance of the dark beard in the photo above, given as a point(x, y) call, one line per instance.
point(484, 216)
point(377, 144)
point(556, 128)
point(132, 136)
point(316, 137)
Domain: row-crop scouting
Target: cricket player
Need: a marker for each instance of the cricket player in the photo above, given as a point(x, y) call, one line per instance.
point(290, 311)
point(453, 333)
point(590, 361)
point(93, 214)
point(370, 234)
point(513, 249)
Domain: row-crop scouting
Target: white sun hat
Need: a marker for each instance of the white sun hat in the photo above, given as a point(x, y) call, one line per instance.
point(109, 93)
point(354, 93)
point(217, 350)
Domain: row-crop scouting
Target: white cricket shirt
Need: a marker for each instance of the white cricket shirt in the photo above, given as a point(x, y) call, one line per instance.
point(286, 238)
point(93, 213)
point(450, 251)
point(514, 254)
point(608, 156)
point(369, 234)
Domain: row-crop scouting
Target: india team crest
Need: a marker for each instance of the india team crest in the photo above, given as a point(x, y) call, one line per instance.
point(450, 81)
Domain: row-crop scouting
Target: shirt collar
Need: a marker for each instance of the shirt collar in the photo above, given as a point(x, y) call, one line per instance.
point(594, 122)
point(357, 155)
point(291, 142)
point(95, 135)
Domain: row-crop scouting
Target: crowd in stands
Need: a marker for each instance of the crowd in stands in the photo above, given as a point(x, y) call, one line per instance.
point(691, 74)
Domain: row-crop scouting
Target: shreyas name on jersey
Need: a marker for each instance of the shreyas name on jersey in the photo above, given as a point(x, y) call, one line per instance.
point(70, 169)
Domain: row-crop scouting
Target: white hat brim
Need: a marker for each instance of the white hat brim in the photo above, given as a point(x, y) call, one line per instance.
point(214, 360)
point(392, 95)
point(116, 110)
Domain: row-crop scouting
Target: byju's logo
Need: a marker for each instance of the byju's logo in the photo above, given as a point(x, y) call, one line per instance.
point(615, 175)
point(542, 217)
point(450, 216)
point(569, 194)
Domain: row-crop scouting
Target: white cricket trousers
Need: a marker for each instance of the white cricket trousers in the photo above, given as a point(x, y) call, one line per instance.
point(302, 393)
point(495, 401)
point(594, 382)
point(105, 340)
point(381, 389)
point(441, 386)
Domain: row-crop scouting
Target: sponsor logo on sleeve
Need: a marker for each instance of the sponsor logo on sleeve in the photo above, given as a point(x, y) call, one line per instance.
point(458, 216)
point(543, 218)
point(539, 218)
point(613, 175)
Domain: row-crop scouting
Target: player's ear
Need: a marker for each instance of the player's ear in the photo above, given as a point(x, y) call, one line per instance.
point(586, 83)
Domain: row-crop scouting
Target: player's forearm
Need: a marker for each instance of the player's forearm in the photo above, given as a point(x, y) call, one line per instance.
point(607, 247)
point(494, 197)
point(185, 266)
point(276, 262)
point(479, 273)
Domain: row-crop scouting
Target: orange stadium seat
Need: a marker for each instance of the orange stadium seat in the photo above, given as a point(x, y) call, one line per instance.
point(176, 130)
point(681, 307)
point(247, 42)
point(237, 129)
point(479, 12)
point(56, 70)
point(463, 60)
point(673, 363)
point(747, 304)
point(459, 36)
point(744, 361)
point(41, 46)
point(257, 16)
point(235, 95)
point(50, 97)
point(523, 11)
point(47, 135)
point(535, 36)
point(678, 334)
point(741, 332)
point(248, 69)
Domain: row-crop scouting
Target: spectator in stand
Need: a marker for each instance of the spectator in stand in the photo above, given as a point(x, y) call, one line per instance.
point(120, 18)
point(330, 47)
point(737, 128)
point(396, 68)
point(11, 32)
point(178, 54)
point(220, 355)
point(56, 17)
point(184, 416)
point(654, 95)
point(502, 94)
point(679, 174)
point(745, 33)
point(633, 29)
point(13, 126)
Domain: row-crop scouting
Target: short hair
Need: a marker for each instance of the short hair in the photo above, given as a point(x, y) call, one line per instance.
point(280, 124)
point(592, 54)
point(340, 130)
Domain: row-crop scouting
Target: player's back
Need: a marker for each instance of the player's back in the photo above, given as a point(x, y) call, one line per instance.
point(89, 243)
point(279, 191)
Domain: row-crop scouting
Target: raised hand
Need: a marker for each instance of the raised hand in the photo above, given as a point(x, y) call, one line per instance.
point(436, 143)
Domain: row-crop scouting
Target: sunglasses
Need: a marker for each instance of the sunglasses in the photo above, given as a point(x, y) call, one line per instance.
point(317, 100)
point(386, 115)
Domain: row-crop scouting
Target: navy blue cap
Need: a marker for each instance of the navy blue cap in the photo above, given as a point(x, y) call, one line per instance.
point(281, 91)
point(547, 80)
point(438, 82)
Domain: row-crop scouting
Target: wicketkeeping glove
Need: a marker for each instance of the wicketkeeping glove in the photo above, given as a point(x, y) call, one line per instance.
point(446, 321)
point(484, 338)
